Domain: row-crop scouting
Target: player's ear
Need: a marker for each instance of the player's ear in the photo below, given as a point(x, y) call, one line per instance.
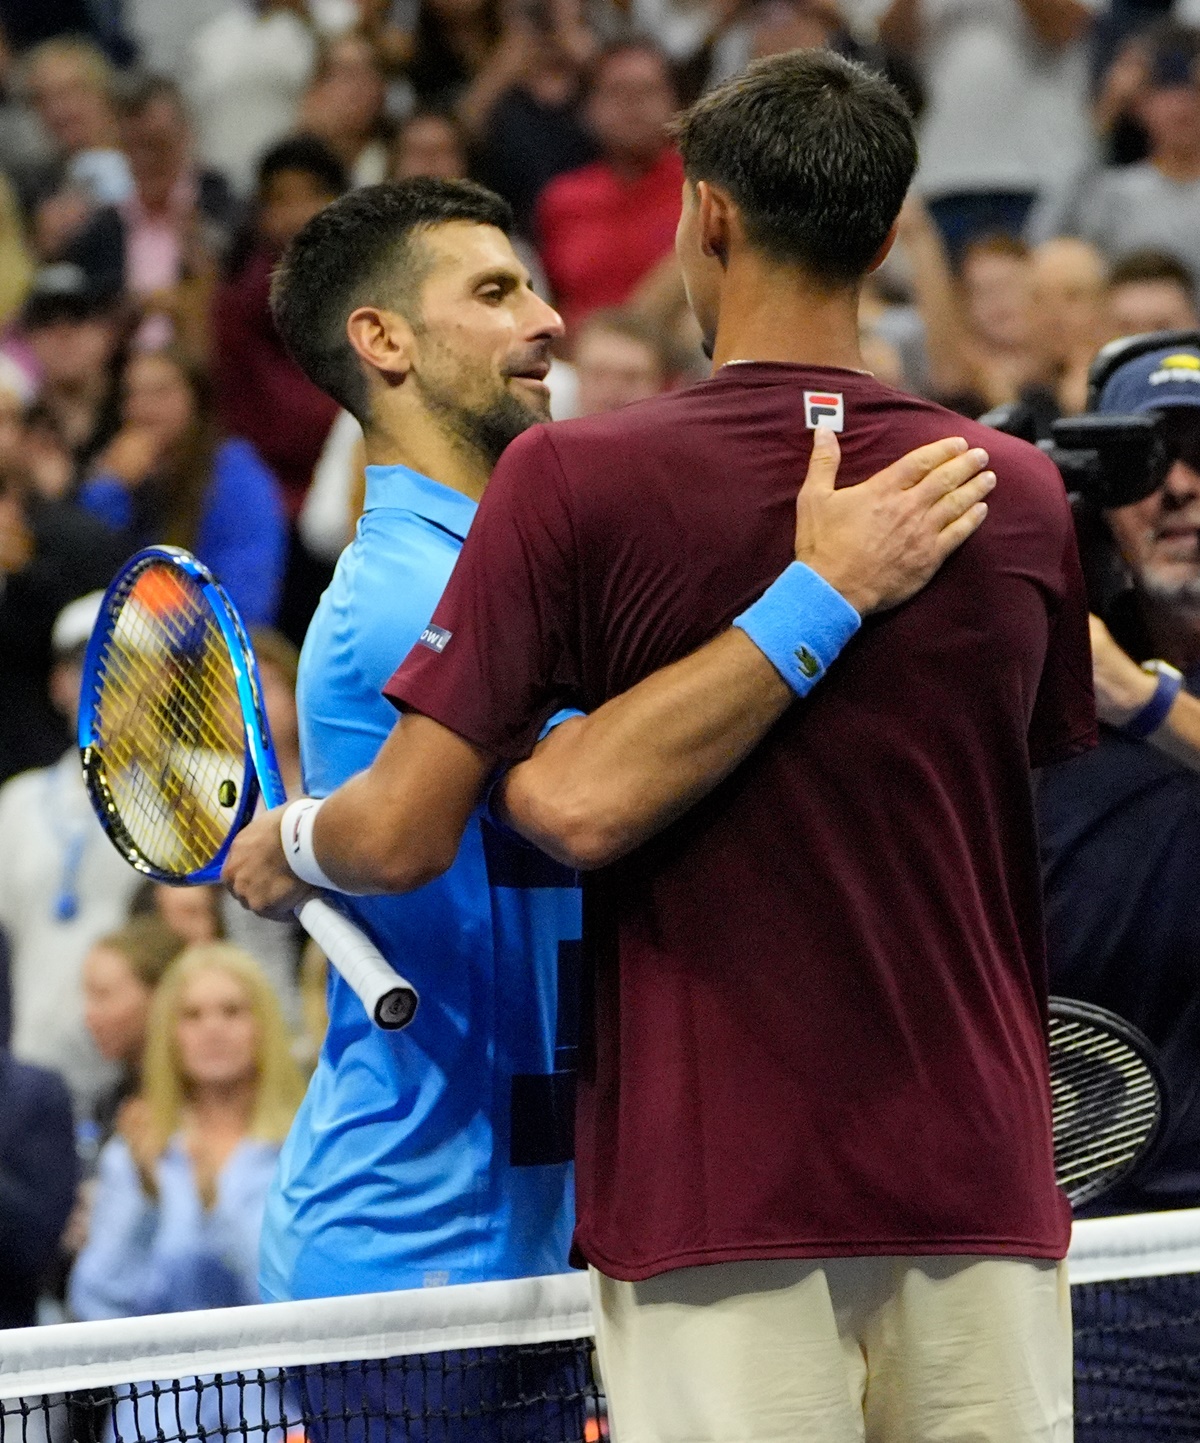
point(384, 340)
point(715, 220)
point(889, 241)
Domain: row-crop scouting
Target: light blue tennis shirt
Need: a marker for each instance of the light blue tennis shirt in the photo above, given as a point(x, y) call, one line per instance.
point(439, 1154)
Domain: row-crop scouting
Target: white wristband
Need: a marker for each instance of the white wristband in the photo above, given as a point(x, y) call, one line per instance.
point(295, 832)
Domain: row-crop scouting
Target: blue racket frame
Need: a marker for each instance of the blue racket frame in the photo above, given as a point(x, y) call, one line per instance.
point(262, 773)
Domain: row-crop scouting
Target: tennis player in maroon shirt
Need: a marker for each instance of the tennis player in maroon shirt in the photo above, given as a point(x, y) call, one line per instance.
point(815, 1175)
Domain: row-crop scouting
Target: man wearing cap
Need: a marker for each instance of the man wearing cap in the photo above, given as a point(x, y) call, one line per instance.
point(62, 886)
point(1121, 827)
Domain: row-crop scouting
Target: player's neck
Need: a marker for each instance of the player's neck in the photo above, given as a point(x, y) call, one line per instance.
point(768, 314)
point(422, 444)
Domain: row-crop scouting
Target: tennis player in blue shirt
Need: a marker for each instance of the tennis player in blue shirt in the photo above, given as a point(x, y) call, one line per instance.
point(440, 1154)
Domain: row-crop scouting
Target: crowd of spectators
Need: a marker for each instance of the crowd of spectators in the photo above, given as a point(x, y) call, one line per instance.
point(156, 156)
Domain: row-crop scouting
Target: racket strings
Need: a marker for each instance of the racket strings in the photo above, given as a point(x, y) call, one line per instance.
point(1107, 1106)
point(169, 725)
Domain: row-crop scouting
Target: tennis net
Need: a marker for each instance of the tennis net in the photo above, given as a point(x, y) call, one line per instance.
point(507, 1362)
point(512, 1362)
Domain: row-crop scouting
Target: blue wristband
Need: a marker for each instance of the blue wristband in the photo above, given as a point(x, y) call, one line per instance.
point(800, 623)
point(1154, 713)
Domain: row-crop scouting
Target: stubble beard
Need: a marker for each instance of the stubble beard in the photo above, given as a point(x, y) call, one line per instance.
point(487, 429)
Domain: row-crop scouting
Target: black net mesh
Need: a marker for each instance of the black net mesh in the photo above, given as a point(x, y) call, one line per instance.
point(531, 1393)
point(1137, 1359)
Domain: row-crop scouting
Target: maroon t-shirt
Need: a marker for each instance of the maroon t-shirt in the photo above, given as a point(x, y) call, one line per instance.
point(818, 1013)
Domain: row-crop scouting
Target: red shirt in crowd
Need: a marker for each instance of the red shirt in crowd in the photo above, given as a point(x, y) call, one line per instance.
point(600, 233)
point(818, 1022)
point(261, 393)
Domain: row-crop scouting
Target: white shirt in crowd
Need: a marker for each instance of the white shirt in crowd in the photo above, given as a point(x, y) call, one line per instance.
point(1004, 112)
point(62, 886)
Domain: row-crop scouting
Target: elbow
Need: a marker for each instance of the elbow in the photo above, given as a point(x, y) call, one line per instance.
point(406, 864)
point(577, 831)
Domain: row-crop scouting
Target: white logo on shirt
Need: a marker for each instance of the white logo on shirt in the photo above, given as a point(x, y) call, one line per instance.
point(435, 637)
point(824, 408)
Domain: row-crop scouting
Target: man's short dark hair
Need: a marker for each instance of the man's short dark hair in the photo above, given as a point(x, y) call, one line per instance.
point(1140, 267)
point(816, 151)
point(361, 251)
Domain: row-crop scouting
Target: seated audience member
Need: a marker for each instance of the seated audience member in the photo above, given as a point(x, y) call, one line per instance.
point(618, 358)
point(180, 1191)
point(452, 42)
point(1120, 827)
point(1154, 203)
point(73, 332)
point(70, 85)
point(193, 913)
point(1006, 117)
point(1070, 282)
point(1151, 291)
point(38, 1173)
point(261, 394)
point(523, 109)
point(429, 142)
point(62, 882)
point(168, 476)
point(603, 228)
point(16, 259)
point(344, 107)
point(246, 73)
point(120, 975)
point(181, 216)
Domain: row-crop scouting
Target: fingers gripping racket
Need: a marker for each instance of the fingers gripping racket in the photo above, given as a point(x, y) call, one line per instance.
point(176, 749)
point(1108, 1098)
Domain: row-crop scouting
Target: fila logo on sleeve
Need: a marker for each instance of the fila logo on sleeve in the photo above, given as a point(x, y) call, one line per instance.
point(824, 408)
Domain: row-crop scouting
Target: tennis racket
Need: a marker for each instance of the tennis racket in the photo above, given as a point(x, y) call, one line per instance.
point(176, 749)
point(1108, 1098)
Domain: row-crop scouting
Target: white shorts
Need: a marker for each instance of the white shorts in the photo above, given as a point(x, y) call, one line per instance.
point(842, 1350)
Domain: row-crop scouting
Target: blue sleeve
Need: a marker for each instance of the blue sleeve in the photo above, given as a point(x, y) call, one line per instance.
point(113, 1273)
point(242, 534)
point(105, 498)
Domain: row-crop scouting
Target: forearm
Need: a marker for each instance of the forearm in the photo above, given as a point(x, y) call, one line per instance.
point(600, 785)
point(398, 825)
point(1179, 735)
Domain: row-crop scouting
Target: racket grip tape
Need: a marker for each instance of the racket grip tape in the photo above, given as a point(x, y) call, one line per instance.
point(390, 1001)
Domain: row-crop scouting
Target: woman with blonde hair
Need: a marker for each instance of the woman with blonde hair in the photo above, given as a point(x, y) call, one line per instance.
point(180, 1190)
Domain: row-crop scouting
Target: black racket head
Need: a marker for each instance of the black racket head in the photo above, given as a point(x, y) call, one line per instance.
point(1108, 1095)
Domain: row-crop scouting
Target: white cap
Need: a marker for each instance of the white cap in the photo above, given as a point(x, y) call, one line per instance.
point(75, 622)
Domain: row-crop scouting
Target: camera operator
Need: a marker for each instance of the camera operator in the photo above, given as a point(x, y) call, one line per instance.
point(1121, 826)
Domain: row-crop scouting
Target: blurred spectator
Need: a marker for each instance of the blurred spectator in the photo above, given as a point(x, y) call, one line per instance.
point(16, 262)
point(1069, 291)
point(29, 21)
point(344, 108)
point(261, 393)
point(70, 86)
point(278, 665)
point(1006, 116)
point(164, 33)
point(1120, 826)
point(168, 476)
point(180, 217)
point(38, 1172)
point(429, 142)
point(193, 913)
point(72, 330)
point(601, 229)
point(1151, 291)
point(62, 883)
point(1155, 203)
point(246, 73)
point(523, 108)
point(180, 1192)
point(454, 40)
point(618, 358)
point(26, 150)
point(120, 975)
